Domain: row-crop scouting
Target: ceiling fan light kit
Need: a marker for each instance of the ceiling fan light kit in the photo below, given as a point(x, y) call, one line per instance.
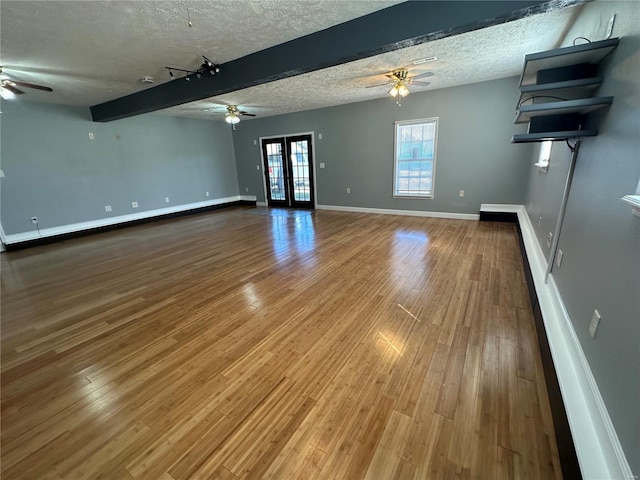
point(401, 83)
point(399, 80)
point(233, 115)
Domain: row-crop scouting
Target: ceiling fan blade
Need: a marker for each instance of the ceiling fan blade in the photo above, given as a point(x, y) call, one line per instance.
point(12, 89)
point(422, 84)
point(423, 75)
point(245, 114)
point(381, 85)
point(33, 85)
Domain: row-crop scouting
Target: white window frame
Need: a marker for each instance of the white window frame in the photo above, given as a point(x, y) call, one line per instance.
point(419, 121)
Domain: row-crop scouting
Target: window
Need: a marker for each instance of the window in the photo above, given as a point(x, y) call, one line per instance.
point(544, 156)
point(415, 158)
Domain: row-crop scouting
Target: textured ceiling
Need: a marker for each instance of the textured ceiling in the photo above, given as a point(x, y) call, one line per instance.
point(94, 51)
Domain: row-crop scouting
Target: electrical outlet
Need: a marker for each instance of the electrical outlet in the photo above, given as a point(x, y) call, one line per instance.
point(610, 26)
point(255, 142)
point(34, 220)
point(246, 189)
point(321, 164)
point(206, 194)
point(595, 323)
point(348, 190)
point(134, 204)
point(461, 194)
point(166, 199)
point(107, 208)
point(559, 258)
point(258, 167)
point(549, 238)
point(539, 221)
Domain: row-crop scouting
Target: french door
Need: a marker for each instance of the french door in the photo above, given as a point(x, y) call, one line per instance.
point(288, 170)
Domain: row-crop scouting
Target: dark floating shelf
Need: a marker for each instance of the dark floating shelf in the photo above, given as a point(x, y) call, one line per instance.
point(579, 88)
point(581, 106)
point(586, 53)
point(554, 136)
point(570, 77)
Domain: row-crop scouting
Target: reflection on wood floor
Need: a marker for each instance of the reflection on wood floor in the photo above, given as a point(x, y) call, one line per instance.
point(323, 345)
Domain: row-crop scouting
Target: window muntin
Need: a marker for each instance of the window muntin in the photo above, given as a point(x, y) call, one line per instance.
point(415, 158)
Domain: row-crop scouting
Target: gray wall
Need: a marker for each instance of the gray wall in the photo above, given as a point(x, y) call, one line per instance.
point(55, 172)
point(600, 237)
point(473, 150)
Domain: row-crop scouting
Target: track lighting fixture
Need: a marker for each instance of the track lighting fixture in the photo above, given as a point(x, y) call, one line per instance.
point(207, 66)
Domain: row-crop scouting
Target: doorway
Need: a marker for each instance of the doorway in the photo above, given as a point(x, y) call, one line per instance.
point(288, 170)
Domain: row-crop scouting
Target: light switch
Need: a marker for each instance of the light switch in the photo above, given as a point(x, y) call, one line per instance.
point(321, 164)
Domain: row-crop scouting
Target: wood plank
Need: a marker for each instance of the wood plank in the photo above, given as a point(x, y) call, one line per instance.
point(387, 453)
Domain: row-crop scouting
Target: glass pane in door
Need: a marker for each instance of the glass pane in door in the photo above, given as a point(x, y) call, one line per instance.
point(299, 156)
point(276, 171)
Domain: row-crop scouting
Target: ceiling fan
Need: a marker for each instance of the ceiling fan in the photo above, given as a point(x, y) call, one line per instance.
point(399, 80)
point(10, 88)
point(233, 115)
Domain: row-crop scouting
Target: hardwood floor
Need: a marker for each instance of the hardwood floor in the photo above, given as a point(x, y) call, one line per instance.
point(247, 343)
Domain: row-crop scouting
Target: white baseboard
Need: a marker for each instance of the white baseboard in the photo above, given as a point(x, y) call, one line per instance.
point(411, 213)
point(597, 445)
point(2, 239)
point(499, 208)
point(105, 222)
